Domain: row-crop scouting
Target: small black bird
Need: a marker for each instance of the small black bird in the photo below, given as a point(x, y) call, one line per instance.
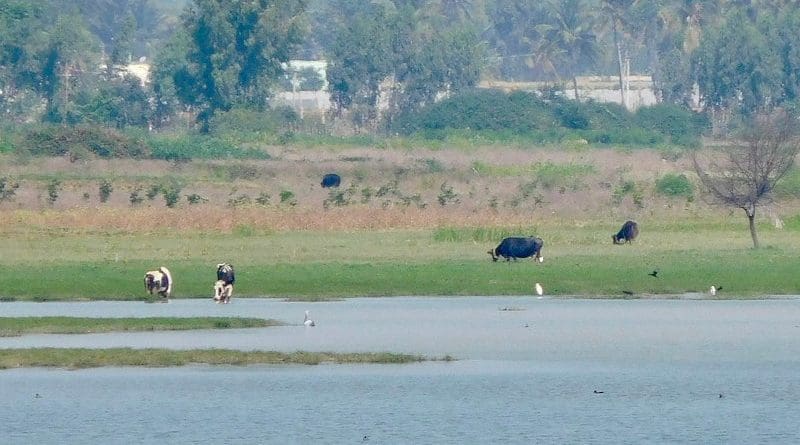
point(654, 273)
point(627, 292)
point(598, 392)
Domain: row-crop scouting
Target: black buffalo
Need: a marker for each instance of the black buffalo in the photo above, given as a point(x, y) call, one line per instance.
point(628, 233)
point(331, 180)
point(518, 247)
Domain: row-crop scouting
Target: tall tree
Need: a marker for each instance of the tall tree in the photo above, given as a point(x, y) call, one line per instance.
point(737, 67)
point(743, 173)
point(68, 62)
point(237, 51)
point(514, 37)
point(569, 30)
point(360, 57)
point(615, 11)
point(396, 57)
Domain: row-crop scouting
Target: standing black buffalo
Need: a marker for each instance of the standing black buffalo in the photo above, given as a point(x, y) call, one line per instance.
point(519, 247)
point(628, 232)
point(331, 180)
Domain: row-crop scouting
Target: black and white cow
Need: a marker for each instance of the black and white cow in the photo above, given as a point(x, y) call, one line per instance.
point(519, 247)
point(159, 281)
point(223, 287)
point(628, 232)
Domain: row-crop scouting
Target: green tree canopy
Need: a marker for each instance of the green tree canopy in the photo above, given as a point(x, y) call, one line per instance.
point(236, 50)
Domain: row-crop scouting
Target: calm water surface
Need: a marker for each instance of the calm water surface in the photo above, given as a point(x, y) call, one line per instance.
point(527, 373)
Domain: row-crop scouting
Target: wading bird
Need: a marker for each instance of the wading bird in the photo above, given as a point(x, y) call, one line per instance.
point(307, 321)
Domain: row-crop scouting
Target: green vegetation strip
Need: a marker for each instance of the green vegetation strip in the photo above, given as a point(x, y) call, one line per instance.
point(579, 261)
point(80, 358)
point(16, 326)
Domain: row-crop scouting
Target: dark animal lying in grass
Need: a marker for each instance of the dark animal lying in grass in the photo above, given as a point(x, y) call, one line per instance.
point(628, 232)
point(519, 247)
point(331, 180)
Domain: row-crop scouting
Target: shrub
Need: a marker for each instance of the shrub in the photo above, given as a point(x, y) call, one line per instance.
point(239, 200)
point(196, 147)
point(572, 115)
point(447, 195)
point(626, 187)
point(682, 127)
point(105, 189)
point(675, 185)
point(172, 194)
point(53, 190)
point(287, 197)
point(497, 116)
point(135, 198)
point(241, 124)
point(194, 198)
point(263, 199)
point(8, 189)
point(80, 141)
point(153, 191)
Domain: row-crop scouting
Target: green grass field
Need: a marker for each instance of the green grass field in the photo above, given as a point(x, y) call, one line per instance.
point(306, 265)
point(16, 326)
point(79, 358)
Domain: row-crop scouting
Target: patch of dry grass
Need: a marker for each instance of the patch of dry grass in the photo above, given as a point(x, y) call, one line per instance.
point(412, 181)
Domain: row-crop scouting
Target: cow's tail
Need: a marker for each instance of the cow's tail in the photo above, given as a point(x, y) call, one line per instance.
point(168, 277)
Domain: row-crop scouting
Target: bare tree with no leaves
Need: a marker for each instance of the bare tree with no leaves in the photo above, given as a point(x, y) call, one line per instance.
point(743, 173)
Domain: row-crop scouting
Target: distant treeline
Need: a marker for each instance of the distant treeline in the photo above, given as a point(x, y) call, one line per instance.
point(490, 116)
point(67, 61)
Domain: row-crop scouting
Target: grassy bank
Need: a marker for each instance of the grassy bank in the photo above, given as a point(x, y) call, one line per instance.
point(16, 326)
point(312, 265)
point(78, 358)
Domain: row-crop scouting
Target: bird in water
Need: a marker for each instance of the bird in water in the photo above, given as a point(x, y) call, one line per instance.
point(654, 273)
point(307, 321)
point(598, 392)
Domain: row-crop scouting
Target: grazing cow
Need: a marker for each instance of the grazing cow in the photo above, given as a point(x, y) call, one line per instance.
point(331, 180)
point(159, 281)
point(223, 287)
point(519, 247)
point(628, 233)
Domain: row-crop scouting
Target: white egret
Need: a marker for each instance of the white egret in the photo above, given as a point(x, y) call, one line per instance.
point(307, 321)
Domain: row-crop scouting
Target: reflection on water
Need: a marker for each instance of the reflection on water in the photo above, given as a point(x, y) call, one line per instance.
point(526, 376)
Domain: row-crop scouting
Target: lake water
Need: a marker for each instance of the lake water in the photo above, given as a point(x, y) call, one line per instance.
point(666, 371)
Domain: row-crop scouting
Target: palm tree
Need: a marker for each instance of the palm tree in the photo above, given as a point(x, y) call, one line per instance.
point(616, 9)
point(567, 39)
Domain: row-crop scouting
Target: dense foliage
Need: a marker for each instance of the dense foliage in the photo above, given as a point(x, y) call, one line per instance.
point(549, 120)
point(67, 62)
